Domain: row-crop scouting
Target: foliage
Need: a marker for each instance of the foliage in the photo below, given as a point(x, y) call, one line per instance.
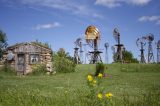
point(128, 57)
point(39, 69)
point(3, 43)
point(134, 60)
point(100, 67)
point(62, 62)
point(46, 44)
point(7, 69)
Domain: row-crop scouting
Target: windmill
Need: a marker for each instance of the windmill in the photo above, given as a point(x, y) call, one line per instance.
point(158, 51)
point(141, 43)
point(106, 45)
point(78, 43)
point(150, 38)
point(81, 50)
point(118, 54)
point(92, 37)
point(76, 55)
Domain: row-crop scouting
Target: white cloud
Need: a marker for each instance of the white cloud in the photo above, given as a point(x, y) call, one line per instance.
point(138, 2)
point(69, 6)
point(117, 3)
point(47, 26)
point(108, 3)
point(97, 16)
point(155, 19)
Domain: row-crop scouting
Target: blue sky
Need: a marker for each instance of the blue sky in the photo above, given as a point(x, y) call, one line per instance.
point(61, 22)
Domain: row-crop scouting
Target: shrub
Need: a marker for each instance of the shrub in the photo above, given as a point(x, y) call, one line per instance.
point(39, 69)
point(7, 69)
point(62, 62)
point(100, 67)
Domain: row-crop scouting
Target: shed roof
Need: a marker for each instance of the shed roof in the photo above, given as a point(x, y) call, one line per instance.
point(29, 43)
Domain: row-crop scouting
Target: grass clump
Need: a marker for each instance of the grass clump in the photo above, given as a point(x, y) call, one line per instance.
point(100, 67)
point(38, 69)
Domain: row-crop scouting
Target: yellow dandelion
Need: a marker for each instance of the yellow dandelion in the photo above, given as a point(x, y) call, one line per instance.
point(108, 95)
point(100, 96)
point(90, 78)
point(94, 81)
point(100, 75)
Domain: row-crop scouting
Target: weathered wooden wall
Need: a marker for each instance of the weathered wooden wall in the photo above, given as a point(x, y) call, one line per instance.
point(45, 54)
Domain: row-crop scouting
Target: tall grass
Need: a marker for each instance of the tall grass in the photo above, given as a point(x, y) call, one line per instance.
point(129, 88)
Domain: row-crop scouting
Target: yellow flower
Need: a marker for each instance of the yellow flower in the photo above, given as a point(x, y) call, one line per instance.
point(109, 95)
point(90, 78)
point(94, 81)
point(100, 75)
point(100, 96)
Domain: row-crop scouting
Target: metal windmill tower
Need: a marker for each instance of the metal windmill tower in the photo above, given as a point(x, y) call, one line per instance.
point(141, 43)
point(81, 51)
point(158, 51)
point(119, 57)
point(106, 45)
point(92, 37)
point(76, 55)
point(150, 38)
point(79, 44)
point(114, 52)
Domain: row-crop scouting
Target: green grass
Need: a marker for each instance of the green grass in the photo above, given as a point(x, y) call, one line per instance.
point(131, 85)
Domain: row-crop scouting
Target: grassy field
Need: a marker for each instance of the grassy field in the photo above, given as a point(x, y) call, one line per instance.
point(130, 84)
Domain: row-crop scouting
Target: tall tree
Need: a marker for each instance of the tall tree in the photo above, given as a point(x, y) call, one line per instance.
point(3, 42)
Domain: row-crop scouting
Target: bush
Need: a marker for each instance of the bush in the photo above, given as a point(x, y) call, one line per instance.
point(63, 64)
point(100, 67)
point(39, 69)
point(7, 69)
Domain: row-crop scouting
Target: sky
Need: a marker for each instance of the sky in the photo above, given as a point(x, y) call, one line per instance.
point(61, 22)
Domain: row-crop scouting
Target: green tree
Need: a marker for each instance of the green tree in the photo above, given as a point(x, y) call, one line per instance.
point(61, 53)
point(3, 42)
point(128, 57)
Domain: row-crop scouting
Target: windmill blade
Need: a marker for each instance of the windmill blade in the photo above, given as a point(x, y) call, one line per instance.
point(116, 34)
point(78, 42)
point(106, 45)
point(137, 42)
point(113, 49)
point(91, 34)
point(151, 37)
point(141, 41)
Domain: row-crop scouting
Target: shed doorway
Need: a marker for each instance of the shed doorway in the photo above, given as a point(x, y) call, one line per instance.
point(21, 63)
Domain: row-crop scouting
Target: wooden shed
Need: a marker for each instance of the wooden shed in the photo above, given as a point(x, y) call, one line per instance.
point(22, 56)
